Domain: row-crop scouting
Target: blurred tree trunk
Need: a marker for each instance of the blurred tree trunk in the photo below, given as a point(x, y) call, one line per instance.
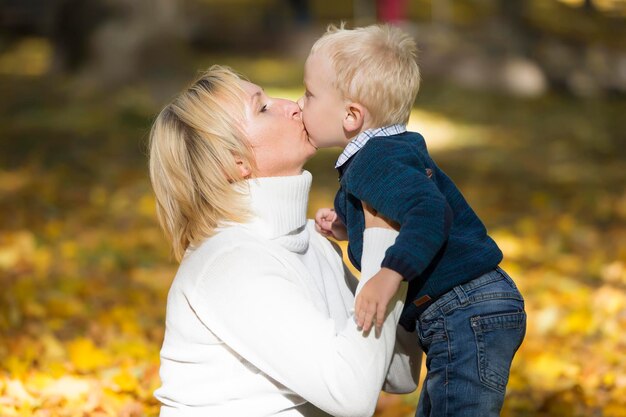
point(73, 23)
point(364, 12)
point(588, 6)
point(514, 15)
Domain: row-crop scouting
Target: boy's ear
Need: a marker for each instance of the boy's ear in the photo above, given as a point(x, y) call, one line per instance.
point(244, 168)
point(354, 118)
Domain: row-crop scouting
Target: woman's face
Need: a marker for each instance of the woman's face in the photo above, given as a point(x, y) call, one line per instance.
point(276, 133)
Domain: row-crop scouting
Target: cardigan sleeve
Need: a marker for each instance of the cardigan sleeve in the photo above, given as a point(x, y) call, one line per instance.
point(397, 185)
point(255, 305)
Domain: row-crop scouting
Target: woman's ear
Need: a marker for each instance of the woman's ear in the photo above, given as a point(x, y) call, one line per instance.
point(354, 119)
point(244, 168)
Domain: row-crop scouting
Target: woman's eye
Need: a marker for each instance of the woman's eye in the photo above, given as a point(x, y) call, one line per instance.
point(264, 108)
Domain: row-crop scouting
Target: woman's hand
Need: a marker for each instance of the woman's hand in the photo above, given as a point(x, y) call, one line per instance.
point(375, 219)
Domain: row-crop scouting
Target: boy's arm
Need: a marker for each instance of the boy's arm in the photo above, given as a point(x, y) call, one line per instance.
point(371, 303)
point(398, 186)
point(376, 291)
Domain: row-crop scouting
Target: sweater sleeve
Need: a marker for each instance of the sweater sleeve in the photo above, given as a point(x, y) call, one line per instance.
point(397, 186)
point(404, 369)
point(255, 305)
point(406, 364)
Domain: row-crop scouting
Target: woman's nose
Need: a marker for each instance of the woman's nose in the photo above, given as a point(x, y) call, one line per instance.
point(293, 109)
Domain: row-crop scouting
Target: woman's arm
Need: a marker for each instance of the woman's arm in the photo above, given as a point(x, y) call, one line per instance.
point(255, 305)
point(404, 370)
point(406, 363)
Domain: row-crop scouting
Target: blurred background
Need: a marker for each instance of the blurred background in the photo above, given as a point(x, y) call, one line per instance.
point(522, 103)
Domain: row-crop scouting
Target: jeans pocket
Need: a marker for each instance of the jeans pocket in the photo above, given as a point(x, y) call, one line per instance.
point(498, 336)
point(431, 331)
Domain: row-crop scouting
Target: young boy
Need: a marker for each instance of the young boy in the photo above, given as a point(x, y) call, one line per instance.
point(467, 312)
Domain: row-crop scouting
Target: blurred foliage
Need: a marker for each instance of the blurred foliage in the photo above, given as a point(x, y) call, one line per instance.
point(85, 270)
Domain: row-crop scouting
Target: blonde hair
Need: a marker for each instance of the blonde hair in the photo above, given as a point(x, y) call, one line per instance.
point(375, 66)
point(194, 145)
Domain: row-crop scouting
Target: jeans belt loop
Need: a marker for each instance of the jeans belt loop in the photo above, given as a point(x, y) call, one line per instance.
point(460, 293)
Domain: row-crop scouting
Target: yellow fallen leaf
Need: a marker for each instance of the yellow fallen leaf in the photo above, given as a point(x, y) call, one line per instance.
point(70, 388)
point(16, 247)
point(86, 356)
point(16, 365)
point(609, 379)
point(53, 349)
point(579, 321)
point(32, 308)
point(9, 257)
point(61, 305)
point(8, 410)
point(69, 249)
point(549, 371)
point(15, 389)
point(614, 409)
point(126, 380)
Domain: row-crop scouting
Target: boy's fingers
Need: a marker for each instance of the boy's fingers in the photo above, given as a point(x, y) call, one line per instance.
point(321, 214)
point(369, 317)
point(363, 312)
point(380, 315)
point(357, 310)
point(360, 319)
point(323, 227)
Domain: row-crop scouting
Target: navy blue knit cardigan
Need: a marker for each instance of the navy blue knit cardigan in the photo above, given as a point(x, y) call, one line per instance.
point(442, 242)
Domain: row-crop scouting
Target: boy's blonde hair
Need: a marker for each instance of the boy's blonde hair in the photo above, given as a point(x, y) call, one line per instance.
point(375, 66)
point(194, 143)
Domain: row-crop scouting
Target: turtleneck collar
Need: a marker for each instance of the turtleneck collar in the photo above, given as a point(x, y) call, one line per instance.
point(279, 206)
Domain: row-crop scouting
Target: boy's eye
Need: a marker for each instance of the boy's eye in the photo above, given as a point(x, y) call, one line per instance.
point(307, 94)
point(264, 108)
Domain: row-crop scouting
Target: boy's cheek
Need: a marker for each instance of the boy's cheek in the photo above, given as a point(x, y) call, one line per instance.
point(308, 123)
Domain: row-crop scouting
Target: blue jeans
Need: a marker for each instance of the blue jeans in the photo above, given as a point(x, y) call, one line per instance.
point(470, 335)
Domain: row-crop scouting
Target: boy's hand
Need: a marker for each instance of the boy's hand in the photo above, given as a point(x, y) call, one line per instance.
point(373, 299)
point(328, 224)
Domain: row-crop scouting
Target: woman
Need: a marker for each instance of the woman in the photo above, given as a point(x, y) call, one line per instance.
point(259, 319)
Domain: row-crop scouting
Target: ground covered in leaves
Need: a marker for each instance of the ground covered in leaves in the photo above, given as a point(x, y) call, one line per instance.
point(84, 269)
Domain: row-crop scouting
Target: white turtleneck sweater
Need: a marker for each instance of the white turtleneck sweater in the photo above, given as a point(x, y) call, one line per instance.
point(260, 320)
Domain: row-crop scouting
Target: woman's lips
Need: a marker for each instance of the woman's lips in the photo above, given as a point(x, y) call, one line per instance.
point(306, 133)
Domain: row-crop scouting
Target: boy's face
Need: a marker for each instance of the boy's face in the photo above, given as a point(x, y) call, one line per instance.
point(323, 108)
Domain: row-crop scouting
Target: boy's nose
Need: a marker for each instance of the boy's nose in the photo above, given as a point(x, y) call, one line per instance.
point(301, 102)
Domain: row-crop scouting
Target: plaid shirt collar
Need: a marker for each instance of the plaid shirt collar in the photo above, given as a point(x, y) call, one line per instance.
point(360, 141)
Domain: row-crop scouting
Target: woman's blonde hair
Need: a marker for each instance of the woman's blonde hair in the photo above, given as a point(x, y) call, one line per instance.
point(375, 66)
point(195, 143)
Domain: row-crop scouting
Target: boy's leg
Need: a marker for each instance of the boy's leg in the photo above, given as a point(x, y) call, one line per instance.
point(470, 336)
